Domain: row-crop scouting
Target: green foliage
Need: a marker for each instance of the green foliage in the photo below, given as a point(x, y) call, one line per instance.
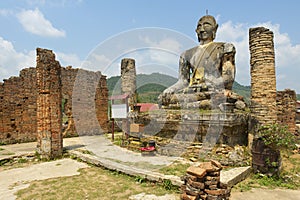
point(22, 160)
point(4, 161)
point(149, 87)
point(167, 185)
point(273, 181)
point(244, 91)
point(114, 85)
point(298, 97)
point(277, 137)
point(139, 179)
point(2, 143)
point(63, 102)
point(243, 187)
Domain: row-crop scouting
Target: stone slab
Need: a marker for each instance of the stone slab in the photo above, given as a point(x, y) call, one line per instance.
point(133, 171)
point(234, 176)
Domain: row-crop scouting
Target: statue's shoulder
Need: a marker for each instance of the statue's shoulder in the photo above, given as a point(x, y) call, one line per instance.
point(227, 47)
point(189, 53)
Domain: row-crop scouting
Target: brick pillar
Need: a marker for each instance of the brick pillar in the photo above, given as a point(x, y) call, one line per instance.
point(101, 103)
point(128, 77)
point(263, 79)
point(1, 110)
point(286, 109)
point(49, 115)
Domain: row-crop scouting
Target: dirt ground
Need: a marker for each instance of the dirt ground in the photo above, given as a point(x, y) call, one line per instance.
point(266, 194)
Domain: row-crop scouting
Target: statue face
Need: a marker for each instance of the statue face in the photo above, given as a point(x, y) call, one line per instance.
point(206, 29)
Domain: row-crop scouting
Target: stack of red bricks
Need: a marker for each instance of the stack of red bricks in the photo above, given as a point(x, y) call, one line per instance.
point(203, 182)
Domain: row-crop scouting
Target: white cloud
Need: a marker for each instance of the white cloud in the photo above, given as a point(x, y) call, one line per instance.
point(100, 62)
point(68, 59)
point(34, 22)
point(166, 44)
point(287, 55)
point(11, 61)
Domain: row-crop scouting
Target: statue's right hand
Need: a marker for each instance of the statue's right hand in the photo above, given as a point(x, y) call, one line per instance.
point(169, 90)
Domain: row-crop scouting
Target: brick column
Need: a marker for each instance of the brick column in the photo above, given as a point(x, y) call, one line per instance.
point(49, 115)
point(128, 77)
point(263, 79)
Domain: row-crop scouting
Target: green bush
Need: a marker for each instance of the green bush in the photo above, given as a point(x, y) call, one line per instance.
point(277, 137)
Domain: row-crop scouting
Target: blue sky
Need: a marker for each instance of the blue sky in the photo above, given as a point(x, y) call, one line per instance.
point(96, 34)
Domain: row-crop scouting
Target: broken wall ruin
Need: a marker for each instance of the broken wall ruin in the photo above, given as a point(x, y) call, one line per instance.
point(18, 108)
point(18, 96)
point(286, 109)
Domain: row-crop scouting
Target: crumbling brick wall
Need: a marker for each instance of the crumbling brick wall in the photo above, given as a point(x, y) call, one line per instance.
point(90, 102)
point(18, 96)
point(286, 109)
point(18, 108)
point(263, 79)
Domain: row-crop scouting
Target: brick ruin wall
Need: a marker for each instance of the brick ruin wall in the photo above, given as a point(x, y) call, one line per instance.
point(263, 80)
point(18, 107)
point(18, 119)
point(286, 109)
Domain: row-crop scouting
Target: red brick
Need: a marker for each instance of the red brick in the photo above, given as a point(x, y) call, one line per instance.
point(196, 171)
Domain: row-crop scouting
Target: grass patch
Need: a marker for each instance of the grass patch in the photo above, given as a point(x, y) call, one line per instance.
point(92, 183)
point(22, 160)
point(288, 179)
point(84, 151)
point(8, 153)
point(2, 143)
point(176, 169)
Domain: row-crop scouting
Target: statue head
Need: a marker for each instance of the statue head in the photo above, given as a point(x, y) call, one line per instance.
point(206, 29)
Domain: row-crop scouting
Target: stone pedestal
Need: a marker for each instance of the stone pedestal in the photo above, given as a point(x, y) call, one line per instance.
point(209, 127)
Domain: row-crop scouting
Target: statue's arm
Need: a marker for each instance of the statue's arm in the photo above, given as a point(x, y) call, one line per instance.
point(183, 77)
point(228, 65)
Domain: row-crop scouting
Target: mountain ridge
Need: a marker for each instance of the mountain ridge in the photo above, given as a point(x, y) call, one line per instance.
point(149, 86)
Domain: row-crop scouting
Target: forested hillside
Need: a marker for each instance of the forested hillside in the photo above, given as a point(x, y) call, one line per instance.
point(149, 86)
